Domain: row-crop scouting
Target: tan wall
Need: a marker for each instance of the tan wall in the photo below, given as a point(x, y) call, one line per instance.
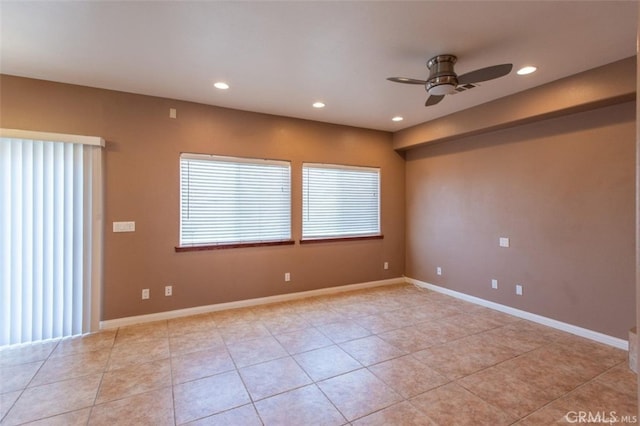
point(637, 76)
point(561, 189)
point(142, 165)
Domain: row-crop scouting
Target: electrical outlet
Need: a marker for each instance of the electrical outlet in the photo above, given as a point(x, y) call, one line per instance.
point(168, 290)
point(518, 289)
point(386, 265)
point(494, 284)
point(439, 270)
point(504, 242)
point(145, 293)
point(287, 276)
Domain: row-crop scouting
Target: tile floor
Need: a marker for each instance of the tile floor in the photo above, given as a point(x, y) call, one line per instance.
point(394, 355)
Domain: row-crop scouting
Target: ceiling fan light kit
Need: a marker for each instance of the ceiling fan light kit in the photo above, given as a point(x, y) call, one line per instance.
point(443, 80)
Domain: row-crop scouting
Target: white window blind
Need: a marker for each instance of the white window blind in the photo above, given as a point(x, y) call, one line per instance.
point(226, 200)
point(340, 201)
point(50, 236)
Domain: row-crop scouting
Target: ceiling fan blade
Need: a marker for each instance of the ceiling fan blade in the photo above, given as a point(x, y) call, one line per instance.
point(406, 80)
point(434, 99)
point(484, 74)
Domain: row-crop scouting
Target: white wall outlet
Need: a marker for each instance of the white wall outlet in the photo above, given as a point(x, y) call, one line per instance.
point(504, 242)
point(287, 276)
point(494, 284)
point(438, 270)
point(386, 265)
point(145, 293)
point(518, 289)
point(173, 113)
point(168, 290)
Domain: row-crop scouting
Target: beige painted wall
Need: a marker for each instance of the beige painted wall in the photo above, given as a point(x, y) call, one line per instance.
point(561, 189)
point(142, 165)
point(637, 288)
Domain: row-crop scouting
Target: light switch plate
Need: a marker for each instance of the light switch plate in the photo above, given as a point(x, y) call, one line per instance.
point(124, 226)
point(504, 242)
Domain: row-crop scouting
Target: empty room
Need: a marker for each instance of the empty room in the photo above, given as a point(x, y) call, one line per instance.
point(318, 212)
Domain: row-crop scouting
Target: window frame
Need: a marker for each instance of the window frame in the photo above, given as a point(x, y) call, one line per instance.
point(257, 242)
point(343, 236)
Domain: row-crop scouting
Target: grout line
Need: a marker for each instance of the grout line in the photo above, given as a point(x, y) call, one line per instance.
point(237, 371)
point(173, 394)
point(24, 389)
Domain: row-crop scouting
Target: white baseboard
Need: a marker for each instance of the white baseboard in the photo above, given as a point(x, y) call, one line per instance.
point(579, 331)
point(120, 322)
point(563, 326)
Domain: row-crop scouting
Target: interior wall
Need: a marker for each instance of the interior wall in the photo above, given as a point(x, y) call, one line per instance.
point(561, 189)
point(637, 298)
point(143, 146)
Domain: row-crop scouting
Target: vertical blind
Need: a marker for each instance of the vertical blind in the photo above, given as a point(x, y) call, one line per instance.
point(227, 200)
point(340, 201)
point(50, 238)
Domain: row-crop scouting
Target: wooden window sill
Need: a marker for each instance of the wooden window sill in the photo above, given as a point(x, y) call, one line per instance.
point(225, 246)
point(340, 239)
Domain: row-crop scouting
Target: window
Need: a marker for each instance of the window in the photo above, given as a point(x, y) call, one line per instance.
point(227, 200)
point(340, 201)
point(50, 235)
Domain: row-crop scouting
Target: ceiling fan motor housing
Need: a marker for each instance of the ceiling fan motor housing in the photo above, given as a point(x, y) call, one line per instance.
point(442, 79)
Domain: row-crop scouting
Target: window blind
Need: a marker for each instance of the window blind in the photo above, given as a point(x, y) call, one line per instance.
point(340, 201)
point(50, 237)
point(226, 200)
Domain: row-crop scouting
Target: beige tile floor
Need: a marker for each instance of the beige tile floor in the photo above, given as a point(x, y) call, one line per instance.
point(394, 355)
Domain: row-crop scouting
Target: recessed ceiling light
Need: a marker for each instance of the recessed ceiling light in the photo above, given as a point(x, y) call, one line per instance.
point(318, 105)
point(221, 85)
point(397, 118)
point(526, 70)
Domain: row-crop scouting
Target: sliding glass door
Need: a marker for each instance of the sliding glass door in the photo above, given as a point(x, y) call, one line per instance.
point(50, 235)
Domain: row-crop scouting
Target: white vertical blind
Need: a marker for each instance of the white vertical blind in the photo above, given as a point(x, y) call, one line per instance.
point(50, 238)
point(340, 201)
point(226, 200)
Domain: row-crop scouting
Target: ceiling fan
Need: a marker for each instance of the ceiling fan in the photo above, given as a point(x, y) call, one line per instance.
point(443, 80)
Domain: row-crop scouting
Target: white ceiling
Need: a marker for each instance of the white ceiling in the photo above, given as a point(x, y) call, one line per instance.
point(280, 57)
